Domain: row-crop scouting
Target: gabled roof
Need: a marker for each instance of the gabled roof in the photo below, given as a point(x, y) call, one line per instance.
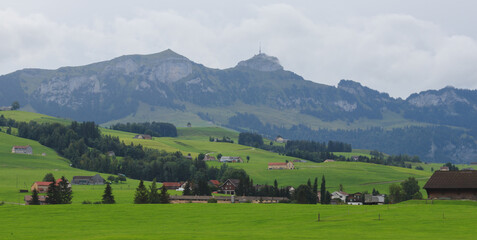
point(42, 183)
point(172, 184)
point(21, 147)
point(276, 164)
point(215, 182)
point(452, 179)
point(234, 182)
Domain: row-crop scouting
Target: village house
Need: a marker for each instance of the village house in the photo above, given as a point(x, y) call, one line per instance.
point(229, 186)
point(369, 199)
point(22, 149)
point(280, 139)
point(231, 159)
point(329, 160)
point(339, 195)
point(42, 187)
point(172, 185)
point(452, 185)
point(143, 136)
point(279, 166)
point(88, 180)
point(444, 168)
point(209, 158)
point(355, 199)
point(41, 198)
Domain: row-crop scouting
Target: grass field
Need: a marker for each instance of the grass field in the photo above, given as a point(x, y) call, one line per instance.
point(410, 220)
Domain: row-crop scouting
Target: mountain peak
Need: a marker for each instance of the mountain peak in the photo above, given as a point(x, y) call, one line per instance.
point(262, 62)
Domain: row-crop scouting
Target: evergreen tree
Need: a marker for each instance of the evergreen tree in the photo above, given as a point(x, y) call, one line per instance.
point(141, 196)
point(153, 194)
point(315, 186)
point(164, 196)
point(323, 190)
point(108, 197)
point(64, 191)
point(308, 183)
point(275, 189)
point(49, 177)
point(34, 198)
point(9, 130)
point(53, 194)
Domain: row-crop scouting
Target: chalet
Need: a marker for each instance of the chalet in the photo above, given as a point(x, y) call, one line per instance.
point(143, 136)
point(231, 159)
point(172, 185)
point(22, 149)
point(88, 180)
point(229, 186)
point(339, 195)
point(355, 199)
point(28, 198)
point(369, 199)
point(41, 187)
point(279, 166)
point(444, 168)
point(329, 160)
point(452, 185)
point(209, 158)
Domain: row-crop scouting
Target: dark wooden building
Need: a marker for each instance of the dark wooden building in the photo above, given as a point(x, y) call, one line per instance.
point(229, 186)
point(452, 185)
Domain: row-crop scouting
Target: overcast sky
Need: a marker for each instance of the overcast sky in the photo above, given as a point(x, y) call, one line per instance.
point(398, 47)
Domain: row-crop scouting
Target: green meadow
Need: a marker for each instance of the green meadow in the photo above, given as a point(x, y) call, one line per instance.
point(410, 220)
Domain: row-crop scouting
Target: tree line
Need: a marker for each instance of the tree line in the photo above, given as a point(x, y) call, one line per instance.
point(155, 129)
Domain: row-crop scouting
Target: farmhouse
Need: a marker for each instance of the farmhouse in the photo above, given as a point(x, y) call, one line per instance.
point(339, 195)
point(229, 186)
point(329, 160)
point(369, 199)
point(285, 165)
point(22, 149)
point(280, 139)
point(42, 187)
point(88, 180)
point(172, 185)
point(143, 136)
point(209, 158)
point(28, 198)
point(452, 185)
point(355, 199)
point(231, 159)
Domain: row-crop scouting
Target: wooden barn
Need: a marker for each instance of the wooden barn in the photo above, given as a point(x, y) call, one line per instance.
point(452, 185)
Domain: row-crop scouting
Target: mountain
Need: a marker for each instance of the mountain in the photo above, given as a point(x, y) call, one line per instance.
point(257, 94)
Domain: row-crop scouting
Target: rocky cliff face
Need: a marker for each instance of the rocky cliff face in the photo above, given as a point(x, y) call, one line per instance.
point(262, 62)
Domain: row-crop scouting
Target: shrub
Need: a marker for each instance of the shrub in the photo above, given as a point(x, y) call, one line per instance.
point(86, 202)
point(97, 202)
point(212, 200)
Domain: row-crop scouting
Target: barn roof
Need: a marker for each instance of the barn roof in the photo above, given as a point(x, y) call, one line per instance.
point(276, 164)
point(452, 179)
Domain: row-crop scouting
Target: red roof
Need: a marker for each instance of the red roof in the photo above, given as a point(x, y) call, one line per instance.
point(215, 182)
point(171, 184)
point(43, 183)
point(276, 164)
point(21, 146)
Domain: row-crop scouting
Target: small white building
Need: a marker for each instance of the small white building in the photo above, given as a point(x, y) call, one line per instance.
point(22, 149)
point(339, 195)
point(231, 159)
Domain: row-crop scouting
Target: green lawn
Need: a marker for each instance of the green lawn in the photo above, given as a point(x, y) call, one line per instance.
point(412, 220)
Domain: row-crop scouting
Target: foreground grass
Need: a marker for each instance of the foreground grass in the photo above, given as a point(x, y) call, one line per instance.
point(414, 220)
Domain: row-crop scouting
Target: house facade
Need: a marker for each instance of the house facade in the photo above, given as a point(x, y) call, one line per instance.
point(452, 185)
point(22, 149)
point(280, 166)
point(209, 158)
point(172, 185)
point(88, 180)
point(229, 186)
point(143, 136)
point(40, 187)
point(369, 199)
point(355, 199)
point(231, 159)
point(339, 195)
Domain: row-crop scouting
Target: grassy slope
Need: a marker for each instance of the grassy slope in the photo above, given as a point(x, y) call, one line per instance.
point(413, 220)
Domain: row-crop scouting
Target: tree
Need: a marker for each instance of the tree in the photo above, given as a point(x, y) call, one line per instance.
point(9, 130)
point(111, 178)
point(308, 183)
point(164, 196)
point(65, 192)
point(304, 195)
point(187, 189)
point(15, 105)
point(34, 198)
point(141, 195)
point(108, 197)
point(52, 195)
point(410, 187)
point(153, 194)
point(396, 194)
point(451, 167)
point(49, 177)
point(248, 158)
point(276, 192)
point(315, 186)
point(323, 190)
point(219, 156)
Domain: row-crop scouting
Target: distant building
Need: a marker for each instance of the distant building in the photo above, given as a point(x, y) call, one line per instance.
point(231, 159)
point(369, 199)
point(143, 136)
point(452, 185)
point(88, 180)
point(279, 139)
point(40, 187)
point(6, 108)
point(209, 158)
point(299, 160)
point(172, 185)
point(329, 160)
point(444, 168)
point(229, 186)
point(22, 149)
point(355, 199)
point(41, 198)
point(279, 166)
point(339, 195)
point(111, 154)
